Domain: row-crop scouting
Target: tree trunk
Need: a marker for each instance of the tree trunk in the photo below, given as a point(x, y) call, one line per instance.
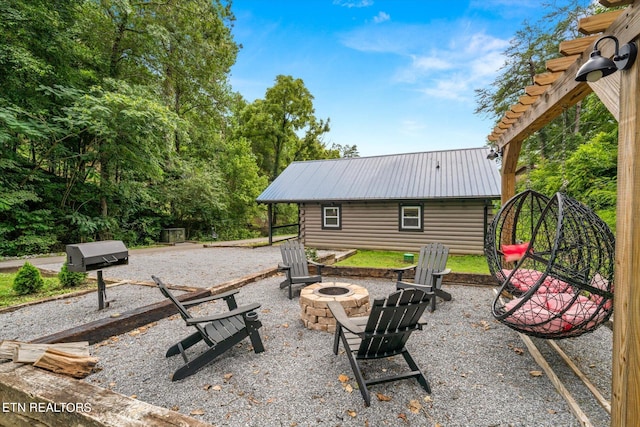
point(116, 51)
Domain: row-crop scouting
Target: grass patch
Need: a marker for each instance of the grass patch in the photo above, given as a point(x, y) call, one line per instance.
point(52, 287)
point(476, 264)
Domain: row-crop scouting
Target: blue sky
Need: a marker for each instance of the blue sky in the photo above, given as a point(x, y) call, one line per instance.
point(393, 76)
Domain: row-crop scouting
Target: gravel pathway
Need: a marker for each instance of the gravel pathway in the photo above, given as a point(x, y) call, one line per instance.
point(479, 370)
point(194, 265)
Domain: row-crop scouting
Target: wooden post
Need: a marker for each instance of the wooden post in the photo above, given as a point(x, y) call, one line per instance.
point(625, 406)
point(270, 220)
point(510, 154)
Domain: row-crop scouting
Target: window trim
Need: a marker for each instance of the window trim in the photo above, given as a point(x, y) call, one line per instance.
point(338, 216)
point(401, 217)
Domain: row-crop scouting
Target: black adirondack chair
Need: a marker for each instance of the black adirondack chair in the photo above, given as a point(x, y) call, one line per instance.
point(429, 272)
point(219, 331)
point(296, 266)
point(382, 334)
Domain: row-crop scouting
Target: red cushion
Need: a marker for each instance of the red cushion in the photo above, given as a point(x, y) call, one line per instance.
point(557, 302)
point(523, 279)
point(579, 312)
point(514, 252)
point(533, 316)
point(597, 299)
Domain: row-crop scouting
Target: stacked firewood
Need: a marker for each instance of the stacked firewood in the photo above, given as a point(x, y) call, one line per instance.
point(71, 359)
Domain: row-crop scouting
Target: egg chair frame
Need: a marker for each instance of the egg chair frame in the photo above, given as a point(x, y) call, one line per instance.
point(554, 260)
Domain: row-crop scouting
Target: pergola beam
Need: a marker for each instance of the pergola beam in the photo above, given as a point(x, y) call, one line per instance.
point(608, 90)
point(565, 92)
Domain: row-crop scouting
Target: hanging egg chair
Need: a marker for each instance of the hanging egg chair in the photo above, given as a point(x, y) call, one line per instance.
point(554, 259)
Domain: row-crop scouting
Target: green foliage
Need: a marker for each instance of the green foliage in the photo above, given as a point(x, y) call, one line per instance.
point(117, 119)
point(590, 175)
point(274, 125)
point(311, 253)
point(28, 280)
point(52, 287)
point(26, 227)
point(71, 279)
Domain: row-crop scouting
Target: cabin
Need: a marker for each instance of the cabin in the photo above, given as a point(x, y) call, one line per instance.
point(394, 202)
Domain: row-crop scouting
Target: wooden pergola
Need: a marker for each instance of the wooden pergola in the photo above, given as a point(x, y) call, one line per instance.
point(550, 94)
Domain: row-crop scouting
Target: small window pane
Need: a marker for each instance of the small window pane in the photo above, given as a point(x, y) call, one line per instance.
point(411, 217)
point(411, 212)
point(331, 216)
point(331, 221)
point(411, 223)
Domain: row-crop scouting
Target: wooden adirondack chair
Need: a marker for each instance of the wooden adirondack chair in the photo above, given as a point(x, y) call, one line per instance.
point(429, 272)
point(296, 266)
point(382, 334)
point(220, 331)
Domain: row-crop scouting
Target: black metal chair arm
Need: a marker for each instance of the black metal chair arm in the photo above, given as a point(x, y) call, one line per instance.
point(341, 318)
point(240, 310)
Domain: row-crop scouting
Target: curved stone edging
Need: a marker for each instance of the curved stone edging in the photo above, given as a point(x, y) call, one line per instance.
point(314, 311)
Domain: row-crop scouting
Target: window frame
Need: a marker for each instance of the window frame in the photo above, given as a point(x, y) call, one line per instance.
point(338, 216)
point(402, 217)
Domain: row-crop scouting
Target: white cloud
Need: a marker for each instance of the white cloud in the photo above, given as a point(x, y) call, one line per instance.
point(381, 17)
point(456, 88)
point(454, 69)
point(393, 38)
point(442, 59)
point(353, 3)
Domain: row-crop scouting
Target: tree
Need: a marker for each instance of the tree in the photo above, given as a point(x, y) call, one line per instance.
point(243, 183)
point(282, 127)
point(123, 131)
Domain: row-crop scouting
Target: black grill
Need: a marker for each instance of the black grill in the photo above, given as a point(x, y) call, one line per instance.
point(82, 257)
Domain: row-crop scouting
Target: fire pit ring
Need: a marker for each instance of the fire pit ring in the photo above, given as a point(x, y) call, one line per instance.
point(315, 313)
point(333, 291)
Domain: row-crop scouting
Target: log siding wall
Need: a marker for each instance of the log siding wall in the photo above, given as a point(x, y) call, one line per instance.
point(458, 224)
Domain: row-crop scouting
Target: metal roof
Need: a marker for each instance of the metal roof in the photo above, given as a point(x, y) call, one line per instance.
point(465, 173)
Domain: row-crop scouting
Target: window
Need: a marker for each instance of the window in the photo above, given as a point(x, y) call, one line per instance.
point(331, 217)
point(410, 218)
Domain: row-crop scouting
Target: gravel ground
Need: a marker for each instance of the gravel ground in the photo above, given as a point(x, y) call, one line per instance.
point(479, 370)
point(34, 321)
point(193, 265)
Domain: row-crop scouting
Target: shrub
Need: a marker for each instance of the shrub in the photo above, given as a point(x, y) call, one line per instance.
point(28, 280)
point(311, 254)
point(70, 279)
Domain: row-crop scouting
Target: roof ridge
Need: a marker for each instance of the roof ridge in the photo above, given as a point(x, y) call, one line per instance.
point(392, 155)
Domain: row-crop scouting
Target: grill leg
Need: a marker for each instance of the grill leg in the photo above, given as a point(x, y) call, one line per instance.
point(102, 292)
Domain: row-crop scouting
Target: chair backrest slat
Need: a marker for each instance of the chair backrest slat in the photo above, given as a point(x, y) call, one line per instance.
point(181, 308)
point(293, 255)
point(392, 320)
point(432, 258)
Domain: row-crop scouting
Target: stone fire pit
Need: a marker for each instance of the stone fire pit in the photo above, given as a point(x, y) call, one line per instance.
point(314, 298)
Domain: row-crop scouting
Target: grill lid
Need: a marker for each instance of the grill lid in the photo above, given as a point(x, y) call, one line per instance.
point(96, 255)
